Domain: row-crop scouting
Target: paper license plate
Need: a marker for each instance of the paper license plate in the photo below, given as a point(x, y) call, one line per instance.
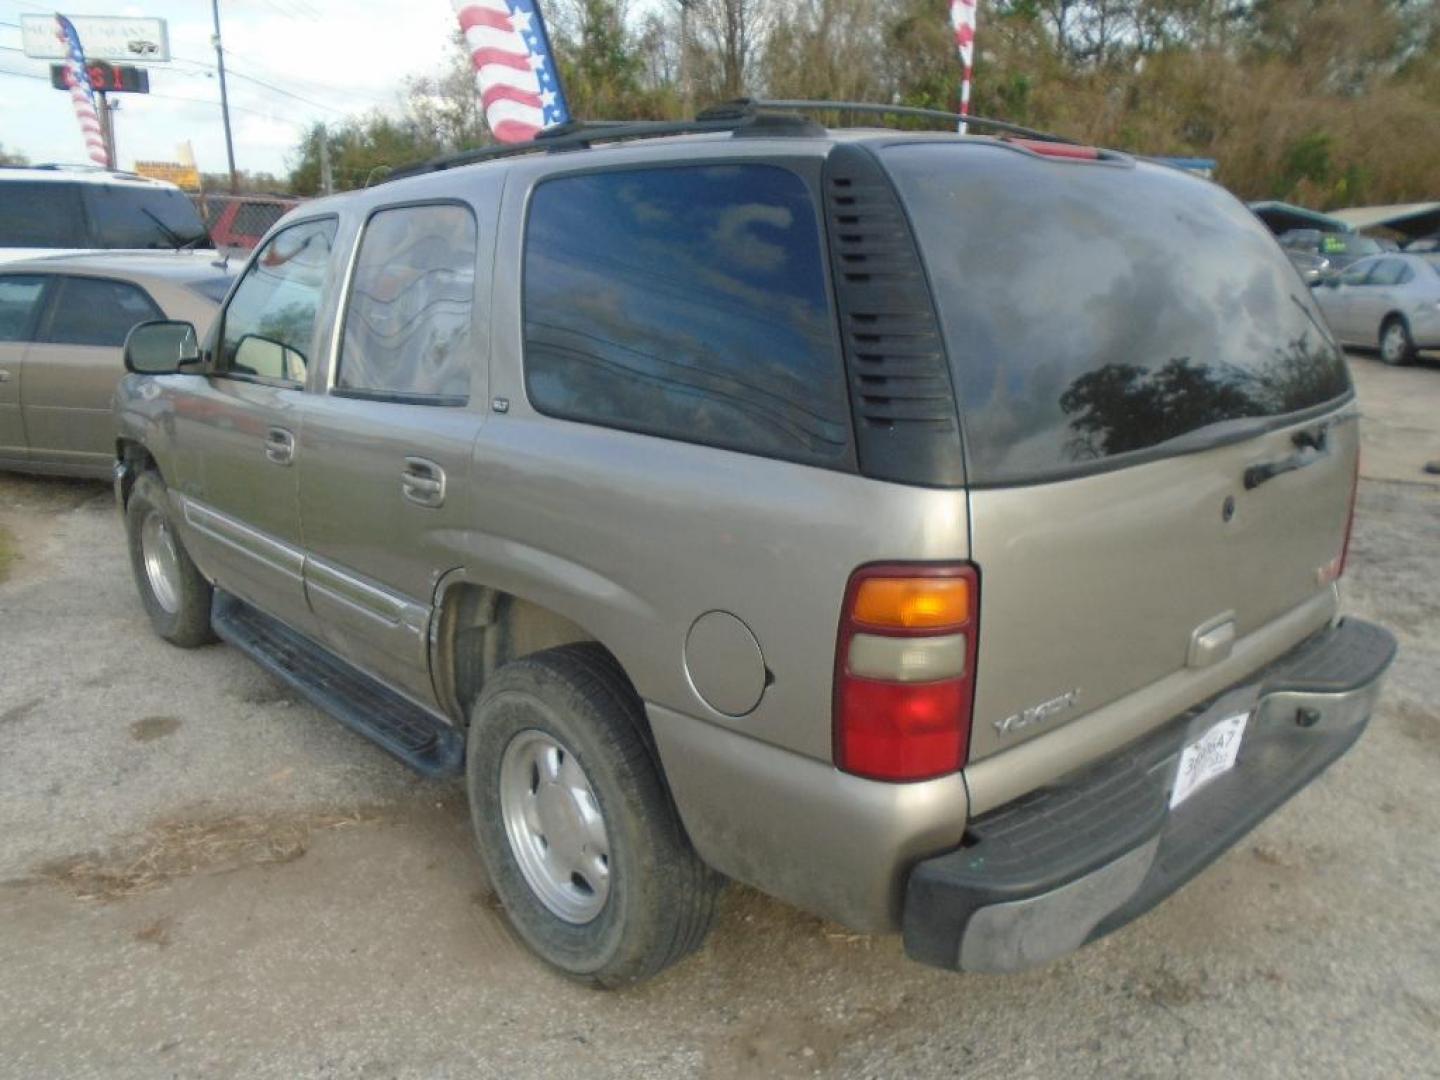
point(1209, 756)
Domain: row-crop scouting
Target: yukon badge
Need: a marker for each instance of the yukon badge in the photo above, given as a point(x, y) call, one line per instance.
point(1036, 714)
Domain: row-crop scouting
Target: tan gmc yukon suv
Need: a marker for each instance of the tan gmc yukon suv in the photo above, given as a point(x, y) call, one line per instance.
point(939, 533)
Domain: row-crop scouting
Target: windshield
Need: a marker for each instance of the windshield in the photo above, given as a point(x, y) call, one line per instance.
point(1094, 311)
point(213, 288)
point(140, 217)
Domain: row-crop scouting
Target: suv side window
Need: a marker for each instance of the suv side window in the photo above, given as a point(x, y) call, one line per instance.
point(407, 318)
point(41, 214)
point(20, 299)
point(269, 323)
point(687, 302)
point(97, 311)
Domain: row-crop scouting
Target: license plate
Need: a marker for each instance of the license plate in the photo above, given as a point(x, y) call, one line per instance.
point(1212, 754)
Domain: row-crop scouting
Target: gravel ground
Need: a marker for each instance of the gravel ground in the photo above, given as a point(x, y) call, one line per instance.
point(202, 876)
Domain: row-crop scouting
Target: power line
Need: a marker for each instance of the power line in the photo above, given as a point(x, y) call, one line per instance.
point(178, 97)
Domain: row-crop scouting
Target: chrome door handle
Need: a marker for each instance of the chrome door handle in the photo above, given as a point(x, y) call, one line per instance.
point(4, 375)
point(280, 446)
point(423, 482)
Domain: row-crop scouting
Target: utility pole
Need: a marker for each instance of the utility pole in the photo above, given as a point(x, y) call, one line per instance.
point(224, 97)
point(327, 180)
point(106, 112)
point(687, 92)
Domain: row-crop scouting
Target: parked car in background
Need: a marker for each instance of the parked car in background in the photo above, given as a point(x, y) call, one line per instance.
point(1422, 245)
point(63, 322)
point(1339, 249)
point(1389, 302)
point(238, 222)
point(52, 208)
point(629, 481)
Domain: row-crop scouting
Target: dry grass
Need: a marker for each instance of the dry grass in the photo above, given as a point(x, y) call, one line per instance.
point(184, 848)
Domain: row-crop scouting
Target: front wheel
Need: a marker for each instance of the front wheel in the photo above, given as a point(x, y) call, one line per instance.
point(1396, 346)
point(578, 832)
point(175, 595)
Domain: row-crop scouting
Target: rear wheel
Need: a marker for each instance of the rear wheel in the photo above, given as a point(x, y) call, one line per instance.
point(1396, 346)
point(175, 595)
point(577, 829)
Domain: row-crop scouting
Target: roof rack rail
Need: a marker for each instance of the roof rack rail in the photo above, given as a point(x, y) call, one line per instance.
point(873, 109)
point(577, 135)
point(747, 115)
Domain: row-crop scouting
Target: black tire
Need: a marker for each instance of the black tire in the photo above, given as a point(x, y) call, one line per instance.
point(1389, 352)
point(188, 624)
point(661, 897)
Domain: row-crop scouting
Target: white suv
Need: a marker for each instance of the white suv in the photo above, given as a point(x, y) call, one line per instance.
point(49, 209)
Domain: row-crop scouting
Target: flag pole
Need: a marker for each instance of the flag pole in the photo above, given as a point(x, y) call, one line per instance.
point(963, 21)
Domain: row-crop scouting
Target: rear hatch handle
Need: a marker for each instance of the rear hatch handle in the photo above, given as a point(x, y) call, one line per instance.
point(1311, 446)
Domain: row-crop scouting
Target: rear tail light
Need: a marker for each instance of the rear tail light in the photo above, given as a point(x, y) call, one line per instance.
point(904, 670)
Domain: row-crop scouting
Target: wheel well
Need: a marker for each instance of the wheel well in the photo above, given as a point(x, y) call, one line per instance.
point(479, 628)
point(139, 459)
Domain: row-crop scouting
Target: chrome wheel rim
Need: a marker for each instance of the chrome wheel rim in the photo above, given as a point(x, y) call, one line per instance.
point(555, 828)
point(162, 563)
point(1392, 347)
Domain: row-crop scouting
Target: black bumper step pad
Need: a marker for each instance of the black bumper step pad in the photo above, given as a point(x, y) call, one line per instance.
point(1087, 820)
point(417, 737)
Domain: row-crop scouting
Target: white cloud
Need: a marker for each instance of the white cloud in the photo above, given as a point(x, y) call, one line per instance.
point(353, 58)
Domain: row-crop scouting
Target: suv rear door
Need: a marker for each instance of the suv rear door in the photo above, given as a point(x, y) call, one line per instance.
point(1126, 342)
point(385, 453)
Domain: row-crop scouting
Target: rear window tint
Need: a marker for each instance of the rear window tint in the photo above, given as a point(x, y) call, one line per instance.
point(41, 214)
point(689, 303)
point(1093, 311)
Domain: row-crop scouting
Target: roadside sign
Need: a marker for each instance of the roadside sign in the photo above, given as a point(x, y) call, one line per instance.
point(105, 38)
point(184, 176)
point(106, 77)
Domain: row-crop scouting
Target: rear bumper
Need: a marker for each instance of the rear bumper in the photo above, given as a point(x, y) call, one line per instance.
point(1067, 864)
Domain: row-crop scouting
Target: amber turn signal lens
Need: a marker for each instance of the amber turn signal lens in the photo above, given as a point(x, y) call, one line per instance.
point(912, 603)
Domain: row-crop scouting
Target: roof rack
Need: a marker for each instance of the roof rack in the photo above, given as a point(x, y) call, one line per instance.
point(741, 116)
point(872, 109)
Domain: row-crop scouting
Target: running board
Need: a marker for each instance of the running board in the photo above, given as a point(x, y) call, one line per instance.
point(420, 739)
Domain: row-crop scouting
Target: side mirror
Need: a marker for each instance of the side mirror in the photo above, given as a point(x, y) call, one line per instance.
point(161, 347)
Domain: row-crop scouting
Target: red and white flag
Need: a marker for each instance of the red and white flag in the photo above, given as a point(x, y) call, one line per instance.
point(81, 94)
point(515, 72)
point(962, 19)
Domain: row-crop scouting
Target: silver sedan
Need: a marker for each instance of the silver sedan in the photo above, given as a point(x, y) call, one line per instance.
point(1389, 301)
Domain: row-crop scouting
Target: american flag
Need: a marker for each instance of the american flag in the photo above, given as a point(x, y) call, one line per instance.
point(81, 95)
point(514, 70)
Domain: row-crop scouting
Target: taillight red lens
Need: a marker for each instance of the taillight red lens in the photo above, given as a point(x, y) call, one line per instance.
point(907, 717)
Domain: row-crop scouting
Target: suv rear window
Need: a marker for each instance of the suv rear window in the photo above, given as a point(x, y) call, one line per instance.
point(143, 217)
point(1096, 311)
point(690, 303)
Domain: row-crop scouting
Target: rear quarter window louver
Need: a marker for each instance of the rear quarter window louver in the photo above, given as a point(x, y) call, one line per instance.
point(906, 426)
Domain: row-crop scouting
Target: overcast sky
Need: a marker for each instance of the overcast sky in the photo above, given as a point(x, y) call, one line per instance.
point(339, 57)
